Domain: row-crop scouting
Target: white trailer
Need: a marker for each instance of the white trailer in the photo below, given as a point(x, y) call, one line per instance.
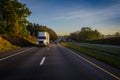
point(43, 38)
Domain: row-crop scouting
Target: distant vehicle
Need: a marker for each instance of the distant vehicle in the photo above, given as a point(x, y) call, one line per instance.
point(56, 42)
point(43, 38)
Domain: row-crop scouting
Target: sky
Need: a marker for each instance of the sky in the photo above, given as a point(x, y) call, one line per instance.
point(66, 16)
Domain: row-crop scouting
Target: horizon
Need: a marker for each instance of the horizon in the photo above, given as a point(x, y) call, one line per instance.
point(66, 16)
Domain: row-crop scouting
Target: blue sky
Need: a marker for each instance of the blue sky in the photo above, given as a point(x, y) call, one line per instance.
point(65, 16)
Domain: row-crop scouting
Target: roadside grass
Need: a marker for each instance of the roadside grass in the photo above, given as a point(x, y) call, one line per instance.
point(109, 41)
point(31, 39)
point(8, 42)
point(5, 45)
point(19, 41)
point(109, 50)
point(111, 60)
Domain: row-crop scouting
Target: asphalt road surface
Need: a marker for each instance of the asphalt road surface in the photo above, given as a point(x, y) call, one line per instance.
point(53, 63)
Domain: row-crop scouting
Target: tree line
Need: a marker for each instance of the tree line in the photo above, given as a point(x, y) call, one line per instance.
point(13, 20)
point(86, 33)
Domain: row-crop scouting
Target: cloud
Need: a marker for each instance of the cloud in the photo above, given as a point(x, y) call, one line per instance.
point(92, 15)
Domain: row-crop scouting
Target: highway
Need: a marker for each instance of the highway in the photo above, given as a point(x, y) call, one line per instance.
point(53, 63)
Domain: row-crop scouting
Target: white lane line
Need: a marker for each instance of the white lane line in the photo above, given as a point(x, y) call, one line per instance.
point(42, 61)
point(100, 68)
point(14, 54)
point(48, 49)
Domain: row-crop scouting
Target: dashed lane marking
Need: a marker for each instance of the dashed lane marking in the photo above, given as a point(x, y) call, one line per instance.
point(42, 61)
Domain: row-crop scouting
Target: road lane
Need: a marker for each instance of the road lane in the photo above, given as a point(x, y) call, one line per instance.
point(12, 55)
point(59, 64)
point(68, 64)
point(18, 66)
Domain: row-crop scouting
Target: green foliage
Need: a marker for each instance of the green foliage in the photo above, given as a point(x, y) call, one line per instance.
point(24, 32)
point(35, 28)
point(13, 17)
point(86, 33)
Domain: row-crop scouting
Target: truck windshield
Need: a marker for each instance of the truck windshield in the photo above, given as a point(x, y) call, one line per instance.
point(42, 37)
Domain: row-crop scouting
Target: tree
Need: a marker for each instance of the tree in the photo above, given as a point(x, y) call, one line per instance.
point(13, 17)
point(31, 29)
point(85, 29)
point(117, 34)
point(86, 33)
point(74, 36)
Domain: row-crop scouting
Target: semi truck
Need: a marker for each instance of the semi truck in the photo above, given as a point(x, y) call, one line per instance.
point(43, 38)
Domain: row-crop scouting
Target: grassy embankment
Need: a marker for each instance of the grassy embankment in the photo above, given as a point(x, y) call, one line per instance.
point(109, 41)
point(8, 42)
point(5, 45)
point(101, 48)
point(91, 51)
